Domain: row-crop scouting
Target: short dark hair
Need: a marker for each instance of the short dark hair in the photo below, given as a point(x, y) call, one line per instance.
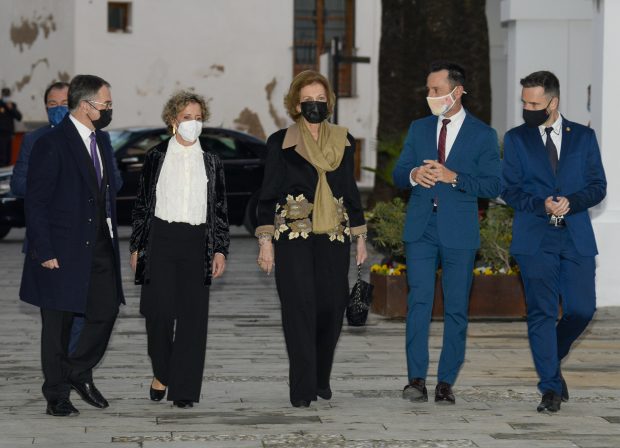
point(54, 86)
point(84, 87)
point(456, 72)
point(6, 91)
point(545, 79)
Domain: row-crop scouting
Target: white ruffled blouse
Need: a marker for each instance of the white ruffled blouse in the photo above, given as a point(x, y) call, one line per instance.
point(182, 186)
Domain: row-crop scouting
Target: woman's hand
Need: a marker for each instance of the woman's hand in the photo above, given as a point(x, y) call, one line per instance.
point(362, 254)
point(265, 256)
point(219, 265)
point(133, 261)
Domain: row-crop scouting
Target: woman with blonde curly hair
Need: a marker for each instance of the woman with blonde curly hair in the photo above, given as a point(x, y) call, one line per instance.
point(308, 213)
point(178, 245)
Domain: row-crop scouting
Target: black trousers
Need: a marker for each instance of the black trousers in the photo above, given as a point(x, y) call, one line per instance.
point(313, 286)
point(175, 304)
point(101, 310)
point(6, 140)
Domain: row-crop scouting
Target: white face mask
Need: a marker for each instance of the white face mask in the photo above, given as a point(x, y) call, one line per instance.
point(441, 105)
point(190, 130)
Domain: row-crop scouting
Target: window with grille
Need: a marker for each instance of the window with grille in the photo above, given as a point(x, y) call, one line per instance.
point(316, 23)
point(119, 16)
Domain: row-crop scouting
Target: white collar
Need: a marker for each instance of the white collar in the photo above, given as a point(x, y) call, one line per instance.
point(175, 146)
point(459, 116)
point(557, 126)
point(81, 128)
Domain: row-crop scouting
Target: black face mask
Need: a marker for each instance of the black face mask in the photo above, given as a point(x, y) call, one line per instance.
point(314, 111)
point(534, 118)
point(105, 117)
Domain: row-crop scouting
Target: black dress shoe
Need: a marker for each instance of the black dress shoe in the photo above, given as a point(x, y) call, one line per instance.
point(61, 408)
point(325, 394)
point(301, 403)
point(416, 390)
point(444, 394)
point(550, 402)
point(564, 395)
point(90, 394)
point(183, 404)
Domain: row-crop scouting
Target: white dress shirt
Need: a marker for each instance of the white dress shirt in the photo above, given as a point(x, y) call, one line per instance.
point(85, 135)
point(182, 186)
point(556, 134)
point(452, 131)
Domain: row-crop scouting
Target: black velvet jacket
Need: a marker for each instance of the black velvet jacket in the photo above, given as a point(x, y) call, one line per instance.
point(289, 184)
point(217, 238)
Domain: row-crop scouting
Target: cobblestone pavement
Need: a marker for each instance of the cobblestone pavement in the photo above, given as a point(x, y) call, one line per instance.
point(245, 393)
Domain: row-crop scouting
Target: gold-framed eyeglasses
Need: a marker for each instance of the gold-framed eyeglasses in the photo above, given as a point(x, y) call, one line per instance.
point(107, 105)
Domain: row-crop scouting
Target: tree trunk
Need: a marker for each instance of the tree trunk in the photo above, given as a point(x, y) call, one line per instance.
point(413, 34)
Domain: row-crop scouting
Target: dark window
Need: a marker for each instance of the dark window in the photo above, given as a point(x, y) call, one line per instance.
point(225, 147)
point(119, 17)
point(316, 23)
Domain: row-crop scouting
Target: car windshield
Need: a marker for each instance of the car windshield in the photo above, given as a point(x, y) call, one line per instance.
point(119, 138)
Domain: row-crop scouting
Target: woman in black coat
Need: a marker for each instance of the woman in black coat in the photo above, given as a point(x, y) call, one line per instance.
point(309, 212)
point(178, 245)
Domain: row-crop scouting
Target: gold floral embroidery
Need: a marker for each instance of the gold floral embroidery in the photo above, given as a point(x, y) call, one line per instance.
point(295, 217)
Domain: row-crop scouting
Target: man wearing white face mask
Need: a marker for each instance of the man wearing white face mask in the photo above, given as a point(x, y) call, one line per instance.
point(449, 160)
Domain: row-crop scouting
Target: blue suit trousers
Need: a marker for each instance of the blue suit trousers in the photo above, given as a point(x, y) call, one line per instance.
point(423, 258)
point(556, 270)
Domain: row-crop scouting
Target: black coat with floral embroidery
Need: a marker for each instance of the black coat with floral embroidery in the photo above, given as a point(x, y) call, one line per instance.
point(217, 238)
point(287, 194)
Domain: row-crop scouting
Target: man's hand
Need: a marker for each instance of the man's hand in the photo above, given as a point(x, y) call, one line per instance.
point(560, 207)
point(51, 264)
point(442, 174)
point(219, 265)
point(265, 256)
point(424, 176)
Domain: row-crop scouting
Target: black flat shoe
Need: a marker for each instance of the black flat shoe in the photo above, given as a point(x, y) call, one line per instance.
point(564, 395)
point(61, 408)
point(444, 394)
point(90, 394)
point(550, 402)
point(416, 390)
point(300, 403)
point(325, 394)
point(156, 394)
point(183, 404)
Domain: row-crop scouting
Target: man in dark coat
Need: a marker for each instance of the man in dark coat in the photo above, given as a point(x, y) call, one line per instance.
point(72, 265)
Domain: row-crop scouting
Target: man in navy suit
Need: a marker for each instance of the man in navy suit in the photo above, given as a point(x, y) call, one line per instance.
point(72, 263)
point(449, 160)
point(553, 174)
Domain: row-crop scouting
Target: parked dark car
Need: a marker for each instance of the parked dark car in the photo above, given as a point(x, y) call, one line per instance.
point(242, 155)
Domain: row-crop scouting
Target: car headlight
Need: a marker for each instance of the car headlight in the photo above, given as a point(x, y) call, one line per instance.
point(5, 185)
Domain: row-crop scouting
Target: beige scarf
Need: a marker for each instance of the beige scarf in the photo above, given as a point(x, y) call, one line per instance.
point(325, 155)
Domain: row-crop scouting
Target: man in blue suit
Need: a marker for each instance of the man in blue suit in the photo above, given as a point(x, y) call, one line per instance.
point(449, 160)
point(553, 174)
point(72, 263)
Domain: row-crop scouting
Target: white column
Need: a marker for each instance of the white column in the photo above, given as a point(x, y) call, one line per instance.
point(605, 120)
point(549, 35)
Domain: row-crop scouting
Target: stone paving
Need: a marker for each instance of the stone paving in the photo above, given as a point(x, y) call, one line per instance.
point(245, 394)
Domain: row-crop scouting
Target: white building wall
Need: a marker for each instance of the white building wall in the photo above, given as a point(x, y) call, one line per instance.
point(228, 51)
point(498, 40)
point(36, 49)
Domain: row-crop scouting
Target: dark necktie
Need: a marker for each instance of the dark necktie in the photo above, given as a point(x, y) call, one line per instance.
point(552, 151)
point(95, 156)
point(441, 146)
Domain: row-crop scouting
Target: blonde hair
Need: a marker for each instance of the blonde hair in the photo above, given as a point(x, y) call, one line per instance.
point(303, 79)
point(178, 101)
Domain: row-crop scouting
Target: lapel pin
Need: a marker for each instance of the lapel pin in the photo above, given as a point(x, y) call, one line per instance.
point(567, 128)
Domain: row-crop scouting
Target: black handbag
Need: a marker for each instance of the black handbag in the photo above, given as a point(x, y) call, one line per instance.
point(359, 301)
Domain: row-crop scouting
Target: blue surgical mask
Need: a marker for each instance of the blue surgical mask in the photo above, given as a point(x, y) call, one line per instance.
point(56, 114)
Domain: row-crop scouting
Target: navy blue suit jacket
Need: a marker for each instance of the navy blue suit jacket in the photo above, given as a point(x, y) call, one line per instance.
point(61, 210)
point(529, 180)
point(474, 156)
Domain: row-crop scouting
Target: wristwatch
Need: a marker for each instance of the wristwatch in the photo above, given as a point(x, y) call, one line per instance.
point(455, 180)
